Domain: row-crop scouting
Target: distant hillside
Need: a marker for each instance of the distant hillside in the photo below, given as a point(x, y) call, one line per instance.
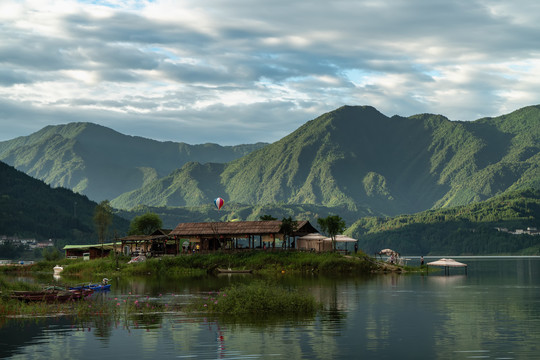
point(30, 208)
point(359, 158)
point(462, 230)
point(101, 163)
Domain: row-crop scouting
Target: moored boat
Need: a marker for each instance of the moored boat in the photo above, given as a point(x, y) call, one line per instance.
point(233, 271)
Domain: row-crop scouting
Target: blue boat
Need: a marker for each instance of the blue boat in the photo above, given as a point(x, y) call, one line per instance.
point(103, 286)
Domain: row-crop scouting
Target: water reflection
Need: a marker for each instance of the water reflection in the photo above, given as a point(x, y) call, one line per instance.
point(492, 312)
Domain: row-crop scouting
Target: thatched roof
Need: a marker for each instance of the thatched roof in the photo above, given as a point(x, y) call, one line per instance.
point(237, 228)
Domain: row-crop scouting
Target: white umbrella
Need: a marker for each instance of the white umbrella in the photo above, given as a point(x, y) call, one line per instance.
point(312, 236)
point(341, 238)
point(447, 263)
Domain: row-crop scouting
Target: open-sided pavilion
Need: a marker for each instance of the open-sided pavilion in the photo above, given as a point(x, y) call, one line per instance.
point(225, 235)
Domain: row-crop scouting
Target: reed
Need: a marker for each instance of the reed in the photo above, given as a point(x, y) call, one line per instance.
point(257, 297)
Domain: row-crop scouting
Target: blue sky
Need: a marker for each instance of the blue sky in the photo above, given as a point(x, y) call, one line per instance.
point(243, 71)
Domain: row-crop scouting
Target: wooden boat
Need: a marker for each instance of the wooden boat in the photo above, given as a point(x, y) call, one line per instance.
point(44, 295)
point(232, 271)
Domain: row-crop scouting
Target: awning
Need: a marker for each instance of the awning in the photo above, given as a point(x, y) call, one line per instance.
point(447, 263)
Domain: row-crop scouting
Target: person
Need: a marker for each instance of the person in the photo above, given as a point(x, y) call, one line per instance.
point(421, 261)
point(392, 259)
point(355, 248)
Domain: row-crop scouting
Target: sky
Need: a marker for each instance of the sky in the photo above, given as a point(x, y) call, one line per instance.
point(243, 71)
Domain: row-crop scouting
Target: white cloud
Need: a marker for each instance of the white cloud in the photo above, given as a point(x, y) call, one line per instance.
point(228, 71)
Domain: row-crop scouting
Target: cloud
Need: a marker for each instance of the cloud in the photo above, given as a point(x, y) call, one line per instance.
point(240, 71)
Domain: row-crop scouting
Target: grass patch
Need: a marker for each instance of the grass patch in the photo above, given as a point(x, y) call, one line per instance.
point(257, 297)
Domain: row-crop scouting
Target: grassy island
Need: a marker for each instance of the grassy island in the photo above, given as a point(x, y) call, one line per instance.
point(265, 262)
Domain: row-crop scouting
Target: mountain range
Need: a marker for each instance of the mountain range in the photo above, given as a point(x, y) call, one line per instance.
point(353, 157)
point(29, 208)
point(101, 163)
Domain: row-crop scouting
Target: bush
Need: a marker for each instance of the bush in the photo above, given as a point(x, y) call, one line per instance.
point(258, 297)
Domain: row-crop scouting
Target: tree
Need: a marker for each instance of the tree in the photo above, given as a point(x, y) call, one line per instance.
point(102, 220)
point(51, 253)
point(267, 218)
point(288, 227)
point(332, 225)
point(145, 224)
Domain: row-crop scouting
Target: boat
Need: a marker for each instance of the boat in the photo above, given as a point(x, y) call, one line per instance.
point(43, 295)
point(93, 287)
point(232, 271)
point(103, 286)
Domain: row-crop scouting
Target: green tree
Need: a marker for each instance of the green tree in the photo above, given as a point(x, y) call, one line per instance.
point(332, 225)
point(267, 218)
point(288, 227)
point(145, 224)
point(50, 253)
point(102, 220)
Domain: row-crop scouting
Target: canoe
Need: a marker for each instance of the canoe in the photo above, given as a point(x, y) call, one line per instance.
point(232, 271)
point(93, 287)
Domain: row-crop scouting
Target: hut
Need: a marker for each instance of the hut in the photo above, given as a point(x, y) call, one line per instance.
point(314, 242)
point(210, 236)
point(158, 243)
point(92, 251)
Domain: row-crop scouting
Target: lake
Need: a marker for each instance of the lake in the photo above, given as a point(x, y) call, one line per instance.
point(492, 312)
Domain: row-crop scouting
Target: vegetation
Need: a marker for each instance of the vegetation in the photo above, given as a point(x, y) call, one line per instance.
point(357, 158)
point(101, 163)
point(102, 220)
point(31, 209)
point(468, 230)
point(332, 225)
point(196, 264)
point(145, 224)
point(257, 297)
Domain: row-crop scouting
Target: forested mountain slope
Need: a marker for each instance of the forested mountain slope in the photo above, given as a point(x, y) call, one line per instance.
point(462, 230)
point(31, 208)
point(359, 158)
point(101, 163)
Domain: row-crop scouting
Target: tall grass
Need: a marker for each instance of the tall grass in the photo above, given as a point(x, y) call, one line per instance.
point(257, 297)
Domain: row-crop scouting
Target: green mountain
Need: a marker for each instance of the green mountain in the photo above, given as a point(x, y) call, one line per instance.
point(361, 159)
point(462, 230)
point(101, 163)
point(31, 208)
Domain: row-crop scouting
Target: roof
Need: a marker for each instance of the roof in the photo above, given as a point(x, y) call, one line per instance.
point(240, 228)
point(447, 262)
point(143, 237)
point(108, 246)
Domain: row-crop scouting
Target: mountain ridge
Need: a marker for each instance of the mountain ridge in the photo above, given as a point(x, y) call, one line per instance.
point(99, 162)
point(356, 155)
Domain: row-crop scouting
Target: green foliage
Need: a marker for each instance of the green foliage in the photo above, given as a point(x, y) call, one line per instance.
point(145, 224)
point(332, 225)
point(264, 261)
point(103, 219)
point(468, 230)
point(267, 218)
point(257, 297)
point(102, 163)
point(31, 209)
point(51, 254)
point(359, 159)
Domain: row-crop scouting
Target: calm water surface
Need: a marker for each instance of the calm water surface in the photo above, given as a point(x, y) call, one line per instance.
point(493, 312)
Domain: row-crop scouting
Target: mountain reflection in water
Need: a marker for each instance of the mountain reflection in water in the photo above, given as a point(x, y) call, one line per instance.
point(492, 312)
